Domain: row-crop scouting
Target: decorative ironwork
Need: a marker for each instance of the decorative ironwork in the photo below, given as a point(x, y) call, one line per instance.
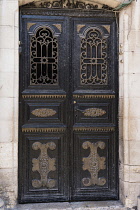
point(43, 112)
point(94, 96)
point(94, 129)
point(44, 57)
point(43, 96)
point(93, 163)
point(94, 58)
point(42, 130)
point(94, 112)
point(43, 164)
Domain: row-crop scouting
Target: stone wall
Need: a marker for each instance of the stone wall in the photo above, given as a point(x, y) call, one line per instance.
point(8, 99)
point(129, 77)
point(129, 114)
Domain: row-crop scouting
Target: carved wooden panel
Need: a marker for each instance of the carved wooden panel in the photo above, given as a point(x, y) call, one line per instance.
point(93, 163)
point(94, 111)
point(44, 164)
point(45, 111)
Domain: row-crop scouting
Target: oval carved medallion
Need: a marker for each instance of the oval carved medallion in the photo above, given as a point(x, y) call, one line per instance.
point(43, 112)
point(94, 112)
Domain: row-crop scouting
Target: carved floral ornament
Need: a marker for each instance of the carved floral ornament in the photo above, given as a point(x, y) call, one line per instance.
point(43, 112)
point(94, 112)
point(94, 163)
point(43, 164)
point(99, 3)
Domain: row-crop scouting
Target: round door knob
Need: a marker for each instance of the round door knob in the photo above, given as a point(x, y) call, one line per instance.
point(74, 102)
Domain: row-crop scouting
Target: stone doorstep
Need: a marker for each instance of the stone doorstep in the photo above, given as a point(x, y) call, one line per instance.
point(89, 205)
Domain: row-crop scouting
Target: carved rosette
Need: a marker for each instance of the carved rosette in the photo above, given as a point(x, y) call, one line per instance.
point(43, 112)
point(94, 112)
point(93, 163)
point(43, 164)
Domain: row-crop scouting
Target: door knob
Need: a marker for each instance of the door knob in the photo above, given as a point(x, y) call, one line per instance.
point(74, 102)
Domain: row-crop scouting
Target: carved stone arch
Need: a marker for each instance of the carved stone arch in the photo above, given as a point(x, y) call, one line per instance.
point(109, 3)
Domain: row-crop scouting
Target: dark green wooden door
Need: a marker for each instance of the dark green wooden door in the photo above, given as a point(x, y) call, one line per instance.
point(68, 145)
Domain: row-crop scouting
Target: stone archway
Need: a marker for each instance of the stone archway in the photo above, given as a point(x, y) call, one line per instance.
point(110, 3)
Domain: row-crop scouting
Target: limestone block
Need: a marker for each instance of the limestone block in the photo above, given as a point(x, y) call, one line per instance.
point(134, 108)
point(16, 60)
point(134, 174)
point(15, 130)
point(6, 156)
point(16, 16)
point(6, 131)
point(121, 86)
point(121, 152)
point(134, 62)
point(132, 190)
point(7, 12)
point(124, 172)
point(133, 40)
point(134, 148)
point(126, 152)
point(7, 37)
point(121, 191)
point(134, 85)
point(135, 16)
point(15, 154)
point(125, 124)
point(7, 180)
point(134, 127)
point(7, 60)
point(16, 87)
point(126, 91)
point(16, 38)
point(6, 105)
point(6, 84)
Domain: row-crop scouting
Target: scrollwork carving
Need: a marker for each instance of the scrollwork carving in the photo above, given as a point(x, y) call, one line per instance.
point(93, 163)
point(43, 164)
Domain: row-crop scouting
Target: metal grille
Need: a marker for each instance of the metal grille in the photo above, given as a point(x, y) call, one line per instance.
point(94, 58)
point(43, 58)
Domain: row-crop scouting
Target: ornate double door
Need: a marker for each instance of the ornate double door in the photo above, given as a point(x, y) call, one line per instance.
point(68, 146)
